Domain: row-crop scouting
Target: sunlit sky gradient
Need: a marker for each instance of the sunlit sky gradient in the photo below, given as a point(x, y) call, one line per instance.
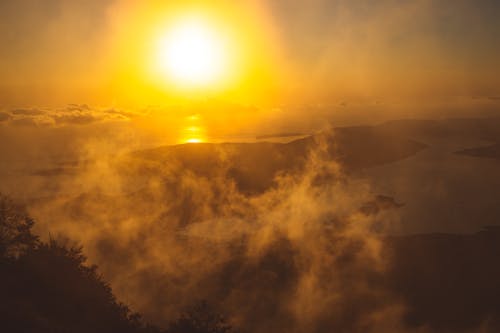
point(55, 52)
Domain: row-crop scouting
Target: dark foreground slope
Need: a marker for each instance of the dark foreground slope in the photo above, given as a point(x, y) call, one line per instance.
point(443, 283)
point(448, 282)
point(48, 287)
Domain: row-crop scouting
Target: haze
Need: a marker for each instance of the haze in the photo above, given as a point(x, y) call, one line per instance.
point(250, 166)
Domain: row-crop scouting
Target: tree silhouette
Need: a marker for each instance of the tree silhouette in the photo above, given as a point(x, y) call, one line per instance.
point(15, 229)
point(48, 287)
point(200, 319)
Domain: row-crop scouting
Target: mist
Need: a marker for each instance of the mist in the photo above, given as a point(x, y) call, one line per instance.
point(333, 170)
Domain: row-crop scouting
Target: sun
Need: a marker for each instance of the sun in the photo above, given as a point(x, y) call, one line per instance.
point(192, 53)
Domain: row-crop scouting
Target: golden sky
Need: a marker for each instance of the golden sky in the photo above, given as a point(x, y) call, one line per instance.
point(55, 52)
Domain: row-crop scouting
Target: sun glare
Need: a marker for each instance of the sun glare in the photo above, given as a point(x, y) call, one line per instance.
point(192, 53)
point(193, 140)
point(193, 131)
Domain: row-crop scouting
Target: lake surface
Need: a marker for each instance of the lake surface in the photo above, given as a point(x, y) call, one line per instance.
point(442, 191)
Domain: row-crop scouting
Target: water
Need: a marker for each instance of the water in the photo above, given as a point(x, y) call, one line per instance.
point(442, 191)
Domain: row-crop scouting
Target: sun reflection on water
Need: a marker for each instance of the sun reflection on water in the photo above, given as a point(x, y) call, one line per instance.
point(193, 131)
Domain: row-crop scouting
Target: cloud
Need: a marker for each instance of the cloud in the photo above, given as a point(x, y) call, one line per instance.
point(27, 112)
point(75, 118)
point(4, 116)
point(293, 258)
point(24, 122)
point(304, 255)
point(72, 114)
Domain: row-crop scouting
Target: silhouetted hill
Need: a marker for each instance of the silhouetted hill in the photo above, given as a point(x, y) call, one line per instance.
point(254, 166)
point(479, 128)
point(444, 282)
point(48, 287)
point(354, 147)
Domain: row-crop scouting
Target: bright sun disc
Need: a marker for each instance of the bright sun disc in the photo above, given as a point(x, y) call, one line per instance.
point(192, 53)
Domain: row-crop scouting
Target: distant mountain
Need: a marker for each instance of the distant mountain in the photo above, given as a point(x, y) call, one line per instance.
point(354, 147)
point(254, 166)
point(492, 151)
point(487, 129)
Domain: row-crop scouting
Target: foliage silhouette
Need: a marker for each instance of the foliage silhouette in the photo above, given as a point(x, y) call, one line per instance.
point(15, 229)
point(200, 319)
point(47, 287)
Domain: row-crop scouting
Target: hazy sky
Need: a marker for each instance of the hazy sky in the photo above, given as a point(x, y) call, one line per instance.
point(55, 52)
